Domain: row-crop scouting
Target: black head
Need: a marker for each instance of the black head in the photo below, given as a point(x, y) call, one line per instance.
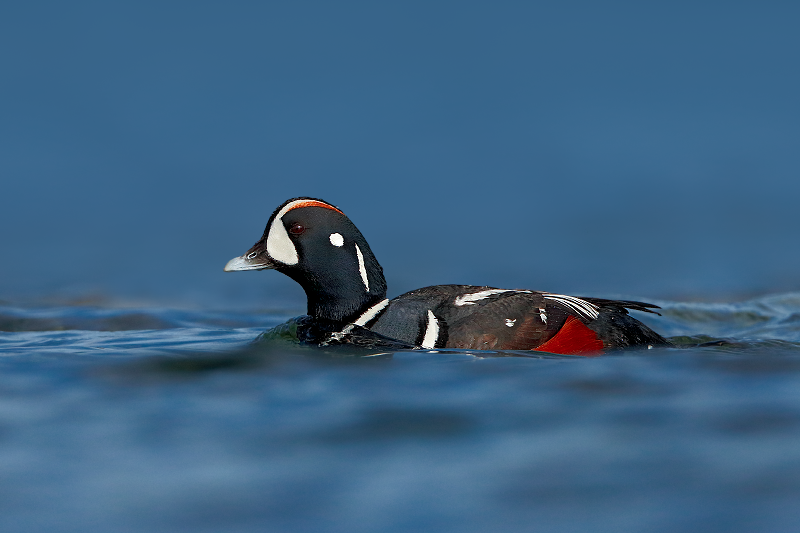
point(315, 244)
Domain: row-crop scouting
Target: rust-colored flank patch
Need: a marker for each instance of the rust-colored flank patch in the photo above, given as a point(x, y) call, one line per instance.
point(574, 338)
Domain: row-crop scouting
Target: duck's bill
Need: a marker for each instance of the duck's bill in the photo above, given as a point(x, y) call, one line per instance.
point(256, 258)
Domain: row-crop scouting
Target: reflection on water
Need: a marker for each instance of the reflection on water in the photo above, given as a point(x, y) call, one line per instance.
point(191, 426)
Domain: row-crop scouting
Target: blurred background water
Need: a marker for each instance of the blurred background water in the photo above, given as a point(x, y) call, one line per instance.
point(614, 150)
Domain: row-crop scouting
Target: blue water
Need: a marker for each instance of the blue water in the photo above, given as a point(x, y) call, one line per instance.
point(143, 419)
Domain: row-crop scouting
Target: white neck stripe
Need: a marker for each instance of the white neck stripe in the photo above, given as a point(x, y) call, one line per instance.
point(361, 268)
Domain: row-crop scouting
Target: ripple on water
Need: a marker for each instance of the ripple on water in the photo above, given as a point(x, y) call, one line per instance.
point(193, 426)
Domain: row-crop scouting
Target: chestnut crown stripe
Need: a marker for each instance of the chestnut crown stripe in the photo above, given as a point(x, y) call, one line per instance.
point(279, 246)
point(306, 203)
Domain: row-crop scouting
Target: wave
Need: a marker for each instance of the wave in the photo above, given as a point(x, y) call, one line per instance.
point(766, 323)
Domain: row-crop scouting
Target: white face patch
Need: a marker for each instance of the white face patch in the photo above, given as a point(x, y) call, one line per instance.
point(510, 322)
point(431, 332)
point(361, 268)
point(543, 315)
point(336, 239)
point(279, 246)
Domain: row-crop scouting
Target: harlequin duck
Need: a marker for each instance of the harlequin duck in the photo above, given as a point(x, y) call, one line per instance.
point(315, 244)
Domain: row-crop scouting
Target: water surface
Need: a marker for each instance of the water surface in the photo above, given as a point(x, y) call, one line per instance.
point(172, 420)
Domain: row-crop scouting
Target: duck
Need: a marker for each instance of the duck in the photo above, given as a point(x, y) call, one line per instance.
point(318, 246)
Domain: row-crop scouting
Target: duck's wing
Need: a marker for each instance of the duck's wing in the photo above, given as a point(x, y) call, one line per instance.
point(524, 320)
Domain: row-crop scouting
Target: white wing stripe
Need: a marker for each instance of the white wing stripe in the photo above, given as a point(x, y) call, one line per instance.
point(470, 299)
point(582, 307)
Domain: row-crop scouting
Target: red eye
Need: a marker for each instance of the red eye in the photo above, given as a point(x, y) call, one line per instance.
point(297, 229)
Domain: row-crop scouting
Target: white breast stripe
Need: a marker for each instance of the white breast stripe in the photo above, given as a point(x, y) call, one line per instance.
point(362, 268)
point(431, 332)
point(470, 299)
point(371, 313)
point(581, 307)
point(543, 315)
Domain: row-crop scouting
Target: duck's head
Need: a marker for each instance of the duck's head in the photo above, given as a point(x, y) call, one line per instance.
point(315, 244)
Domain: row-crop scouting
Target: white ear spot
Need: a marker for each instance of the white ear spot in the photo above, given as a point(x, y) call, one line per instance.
point(336, 239)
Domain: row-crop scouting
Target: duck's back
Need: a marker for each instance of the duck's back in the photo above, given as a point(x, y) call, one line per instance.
point(487, 318)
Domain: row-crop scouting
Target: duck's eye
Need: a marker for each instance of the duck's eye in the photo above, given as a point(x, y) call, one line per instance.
point(297, 229)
